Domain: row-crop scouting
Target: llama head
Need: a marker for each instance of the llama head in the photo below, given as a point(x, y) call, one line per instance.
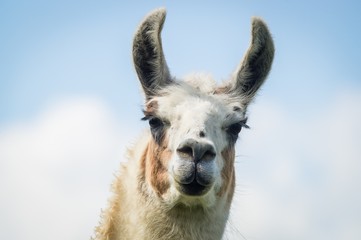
point(194, 123)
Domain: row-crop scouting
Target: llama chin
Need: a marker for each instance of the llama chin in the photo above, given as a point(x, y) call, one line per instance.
point(179, 180)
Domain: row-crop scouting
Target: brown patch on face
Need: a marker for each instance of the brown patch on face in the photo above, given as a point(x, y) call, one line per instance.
point(154, 166)
point(222, 90)
point(228, 173)
point(151, 107)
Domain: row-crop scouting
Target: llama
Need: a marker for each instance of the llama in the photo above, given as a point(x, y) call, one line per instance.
point(179, 180)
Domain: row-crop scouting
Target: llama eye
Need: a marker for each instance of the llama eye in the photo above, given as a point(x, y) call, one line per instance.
point(234, 129)
point(155, 123)
point(156, 128)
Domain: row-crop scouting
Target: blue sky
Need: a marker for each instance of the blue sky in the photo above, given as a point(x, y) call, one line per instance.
point(61, 48)
point(70, 103)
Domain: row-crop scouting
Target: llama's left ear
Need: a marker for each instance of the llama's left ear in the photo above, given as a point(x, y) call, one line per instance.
point(255, 65)
point(148, 54)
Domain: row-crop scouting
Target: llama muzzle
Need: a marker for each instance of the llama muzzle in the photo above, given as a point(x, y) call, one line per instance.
point(194, 167)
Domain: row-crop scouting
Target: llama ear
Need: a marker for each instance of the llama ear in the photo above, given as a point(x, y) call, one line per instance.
point(148, 55)
point(255, 65)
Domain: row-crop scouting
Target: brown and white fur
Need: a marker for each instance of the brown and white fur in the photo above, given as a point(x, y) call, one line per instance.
point(179, 180)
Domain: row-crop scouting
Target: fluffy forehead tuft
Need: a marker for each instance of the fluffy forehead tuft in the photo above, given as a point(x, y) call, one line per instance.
point(190, 89)
point(202, 82)
point(197, 92)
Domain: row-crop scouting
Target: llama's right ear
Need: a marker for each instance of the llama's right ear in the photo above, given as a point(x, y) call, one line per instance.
point(148, 54)
point(255, 66)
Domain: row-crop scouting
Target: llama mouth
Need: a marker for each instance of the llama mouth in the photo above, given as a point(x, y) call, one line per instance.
point(193, 179)
point(193, 189)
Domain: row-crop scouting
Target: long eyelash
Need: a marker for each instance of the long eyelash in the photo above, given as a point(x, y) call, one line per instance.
point(244, 123)
point(145, 118)
point(147, 115)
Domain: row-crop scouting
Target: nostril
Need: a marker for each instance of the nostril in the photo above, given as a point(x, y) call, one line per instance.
point(185, 152)
point(196, 151)
point(204, 152)
point(209, 155)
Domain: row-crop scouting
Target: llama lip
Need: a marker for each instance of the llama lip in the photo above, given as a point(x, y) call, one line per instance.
point(205, 172)
point(185, 172)
point(193, 178)
point(192, 189)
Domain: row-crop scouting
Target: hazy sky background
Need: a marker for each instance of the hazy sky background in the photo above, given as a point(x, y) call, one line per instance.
point(70, 103)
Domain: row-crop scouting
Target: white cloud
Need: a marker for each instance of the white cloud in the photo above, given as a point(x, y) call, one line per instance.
point(297, 178)
point(55, 171)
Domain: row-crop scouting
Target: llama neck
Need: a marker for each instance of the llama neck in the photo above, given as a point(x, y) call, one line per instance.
point(184, 223)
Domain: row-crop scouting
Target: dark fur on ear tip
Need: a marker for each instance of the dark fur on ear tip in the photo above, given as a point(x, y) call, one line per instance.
point(262, 36)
